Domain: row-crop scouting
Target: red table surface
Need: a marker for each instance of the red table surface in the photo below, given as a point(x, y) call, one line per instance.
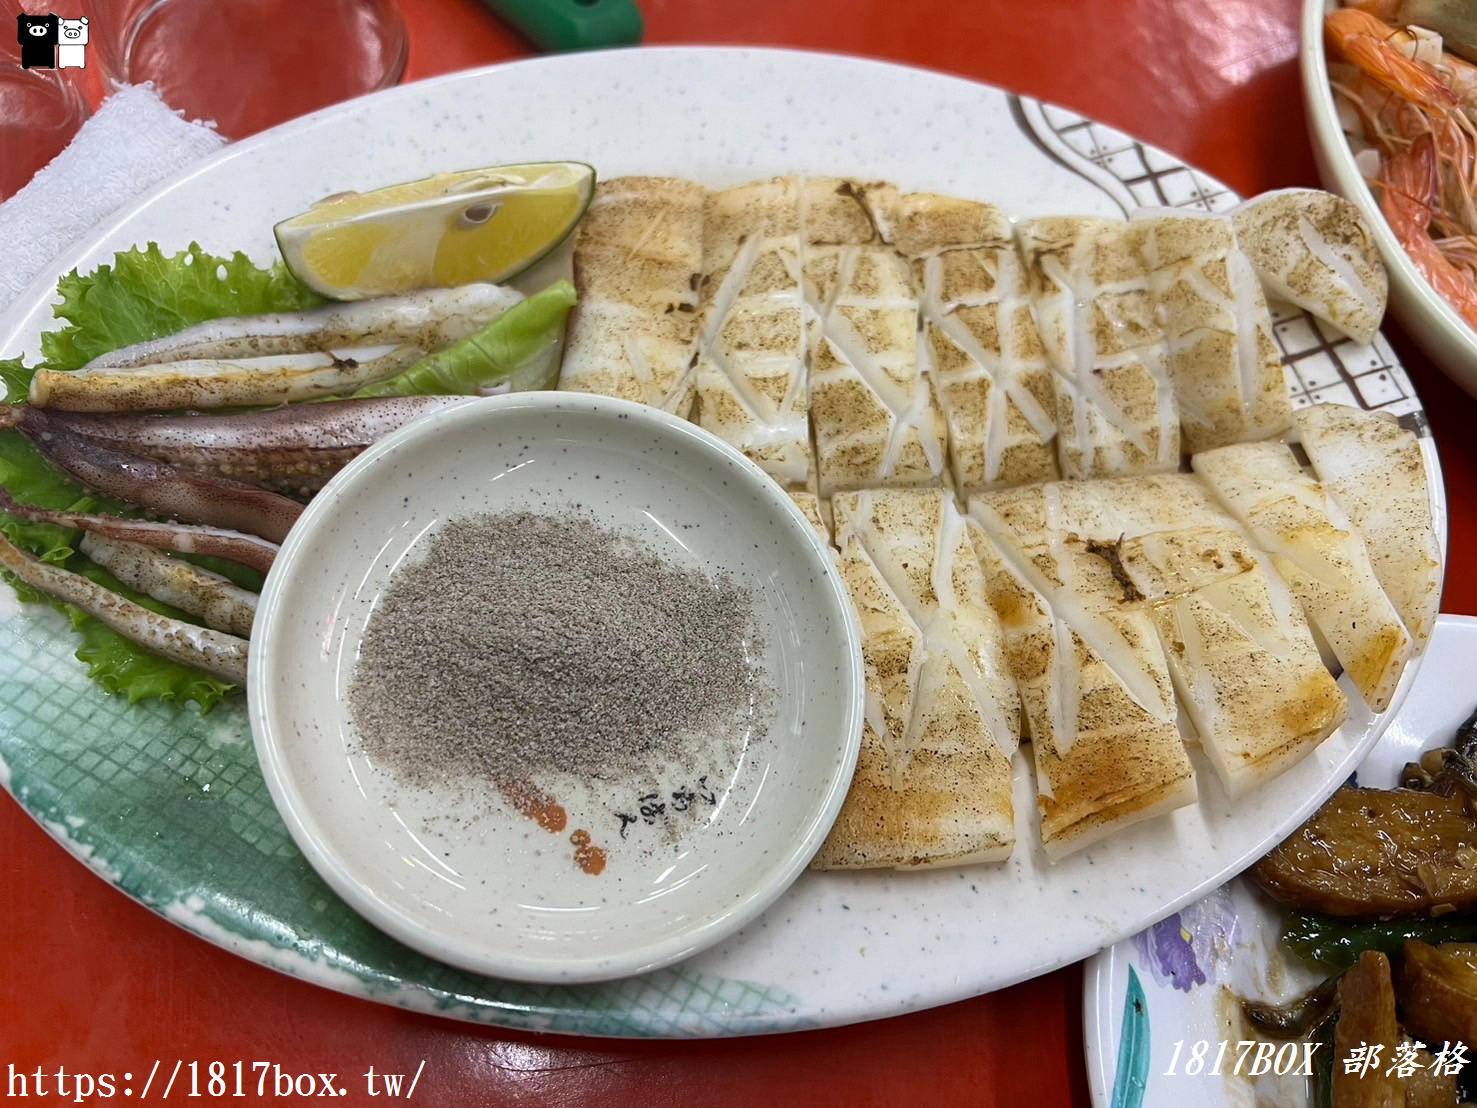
point(95, 983)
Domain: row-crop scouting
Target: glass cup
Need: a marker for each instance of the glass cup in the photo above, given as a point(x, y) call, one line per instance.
point(40, 109)
point(249, 64)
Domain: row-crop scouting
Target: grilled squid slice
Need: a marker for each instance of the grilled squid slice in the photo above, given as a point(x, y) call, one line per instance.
point(235, 546)
point(1092, 297)
point(221, 655)
point(205, 595)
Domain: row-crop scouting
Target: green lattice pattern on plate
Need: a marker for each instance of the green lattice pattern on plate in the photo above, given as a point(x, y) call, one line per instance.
point(172, 808)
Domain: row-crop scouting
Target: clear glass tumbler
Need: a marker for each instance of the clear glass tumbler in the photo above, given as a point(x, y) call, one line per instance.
point(249, 64)
point(40, 109)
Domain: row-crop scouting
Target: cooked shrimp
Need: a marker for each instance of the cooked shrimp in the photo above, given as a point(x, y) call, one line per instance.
point(1451, 20)
point(1428, 176)
point(1409, 183)
point(1365, 42)
point(1415, 100)
point(1459, 74)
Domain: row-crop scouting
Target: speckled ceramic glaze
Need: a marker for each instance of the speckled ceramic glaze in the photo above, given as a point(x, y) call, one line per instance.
point(1177, 982)
point(458, 873)
point(836, 947)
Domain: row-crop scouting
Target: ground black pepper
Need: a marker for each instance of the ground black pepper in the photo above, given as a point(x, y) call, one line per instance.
point(524, 644)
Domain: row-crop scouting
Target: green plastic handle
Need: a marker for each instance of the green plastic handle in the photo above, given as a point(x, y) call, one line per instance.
point(572, 24)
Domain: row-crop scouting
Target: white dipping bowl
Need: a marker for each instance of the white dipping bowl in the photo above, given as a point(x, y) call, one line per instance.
point(1426, 316)
point(458, 874)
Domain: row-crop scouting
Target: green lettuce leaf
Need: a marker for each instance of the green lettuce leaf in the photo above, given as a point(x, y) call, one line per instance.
point(145, 294)
point(16, 378)
point(521, 347)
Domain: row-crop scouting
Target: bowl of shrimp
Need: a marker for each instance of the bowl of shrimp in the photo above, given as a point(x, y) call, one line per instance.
point(1392, 113)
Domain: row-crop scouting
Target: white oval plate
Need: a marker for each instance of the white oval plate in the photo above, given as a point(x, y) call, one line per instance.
point(837, 947)
point(457, 873)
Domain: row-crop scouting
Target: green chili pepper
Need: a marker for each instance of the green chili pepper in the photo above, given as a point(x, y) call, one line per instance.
point(1337, 943)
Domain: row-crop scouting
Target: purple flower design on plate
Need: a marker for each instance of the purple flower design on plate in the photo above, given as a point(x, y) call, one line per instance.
point(1187, 948)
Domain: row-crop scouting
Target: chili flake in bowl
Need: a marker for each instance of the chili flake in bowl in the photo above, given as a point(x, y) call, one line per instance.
point(555, 688)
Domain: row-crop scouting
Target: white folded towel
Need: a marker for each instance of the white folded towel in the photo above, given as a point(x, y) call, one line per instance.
point(133, 142)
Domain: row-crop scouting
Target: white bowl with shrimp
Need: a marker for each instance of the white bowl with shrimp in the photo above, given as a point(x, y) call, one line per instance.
point(1424, 314)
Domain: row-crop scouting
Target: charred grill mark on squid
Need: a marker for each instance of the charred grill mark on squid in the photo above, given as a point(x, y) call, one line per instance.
point(183, 538)
point(208, 596)
point(163, 488)
point(219, 654)
point(292, 450)
point(430, 319)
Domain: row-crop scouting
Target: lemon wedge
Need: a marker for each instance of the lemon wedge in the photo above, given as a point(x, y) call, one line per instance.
point(450, 229)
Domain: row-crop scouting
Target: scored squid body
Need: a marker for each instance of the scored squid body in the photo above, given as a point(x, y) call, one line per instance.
point(1314, 249)
point(750, 369)
point(1372, 467)
point(876, 418)
point(978, 341)
point(1229, 385)
point(1090, 285)
point(1094, 681)
point(933, 780)
point(1323, 559)
point(638, 262)
point(1241, 654)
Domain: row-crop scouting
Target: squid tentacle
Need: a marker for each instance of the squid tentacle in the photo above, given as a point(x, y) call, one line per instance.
point(219, 654)
point(209, 597)
point(182, 538)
